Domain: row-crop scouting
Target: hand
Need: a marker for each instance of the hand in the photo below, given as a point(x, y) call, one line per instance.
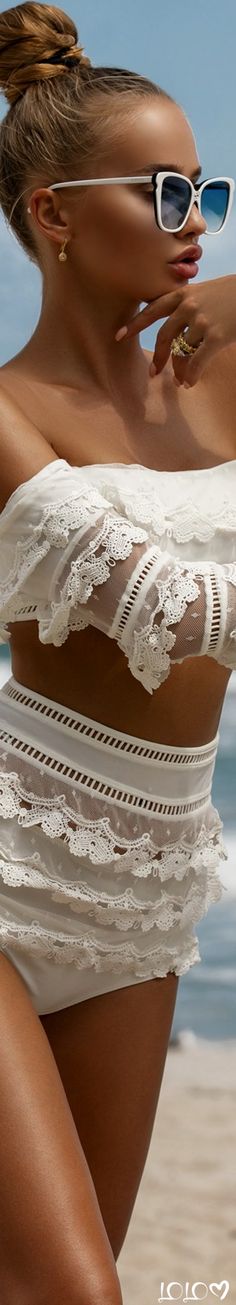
point(207, 309)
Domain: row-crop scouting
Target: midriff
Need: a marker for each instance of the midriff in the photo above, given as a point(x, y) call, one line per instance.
point(89, 673)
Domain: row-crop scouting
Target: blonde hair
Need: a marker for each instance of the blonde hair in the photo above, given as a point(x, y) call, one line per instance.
point(64, 113)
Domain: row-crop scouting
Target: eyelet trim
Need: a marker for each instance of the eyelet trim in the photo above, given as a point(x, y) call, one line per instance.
point(111, 739)
point(85, 780)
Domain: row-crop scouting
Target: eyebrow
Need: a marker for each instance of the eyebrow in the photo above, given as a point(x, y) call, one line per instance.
point(168, 167)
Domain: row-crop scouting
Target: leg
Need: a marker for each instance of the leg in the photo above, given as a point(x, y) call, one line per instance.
point(111, 1052)
point(54, 1246)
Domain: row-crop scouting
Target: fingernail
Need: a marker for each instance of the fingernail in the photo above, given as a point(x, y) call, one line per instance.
point(176, 382)
point(119, 334)
point(152, 369)
point(187, 386)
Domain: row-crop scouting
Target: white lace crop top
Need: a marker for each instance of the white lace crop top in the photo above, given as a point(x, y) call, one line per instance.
point(147, 557)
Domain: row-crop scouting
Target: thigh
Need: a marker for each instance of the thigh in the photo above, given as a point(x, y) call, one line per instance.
point(111, 1052)
point(53, 1245)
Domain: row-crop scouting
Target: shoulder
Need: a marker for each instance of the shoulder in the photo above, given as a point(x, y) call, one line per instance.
point(23, 450)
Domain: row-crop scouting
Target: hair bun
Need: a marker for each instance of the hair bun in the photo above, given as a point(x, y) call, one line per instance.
point(64, 56)
point(33, 38)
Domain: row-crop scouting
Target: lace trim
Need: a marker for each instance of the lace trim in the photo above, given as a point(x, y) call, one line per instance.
point(97, 840)
point(175, 863)
point(85, 779)
point(88, 954)
point(116, 536)
point(183, 523)
point(112, 741)
point(124, 910)
point(85, 950)
point(147, 649)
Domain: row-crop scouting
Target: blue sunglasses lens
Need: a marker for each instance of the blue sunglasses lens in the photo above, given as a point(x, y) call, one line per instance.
point(214, 204)
point(176, 198)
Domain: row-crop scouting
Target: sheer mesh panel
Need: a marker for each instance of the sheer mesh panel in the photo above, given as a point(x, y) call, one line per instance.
point(69, 559)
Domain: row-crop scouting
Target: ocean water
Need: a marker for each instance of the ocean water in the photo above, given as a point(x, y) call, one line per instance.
point(206, 998)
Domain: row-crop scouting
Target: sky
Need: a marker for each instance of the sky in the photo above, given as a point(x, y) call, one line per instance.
point(190, 51)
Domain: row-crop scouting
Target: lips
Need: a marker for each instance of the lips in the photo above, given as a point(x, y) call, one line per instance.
point(191, 253)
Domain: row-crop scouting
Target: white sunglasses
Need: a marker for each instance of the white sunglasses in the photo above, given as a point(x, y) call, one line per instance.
point(173, 196)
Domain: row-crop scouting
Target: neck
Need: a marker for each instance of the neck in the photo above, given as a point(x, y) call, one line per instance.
point(74, 346)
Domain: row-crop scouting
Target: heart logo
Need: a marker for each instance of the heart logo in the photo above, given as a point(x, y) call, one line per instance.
point(215, 1287)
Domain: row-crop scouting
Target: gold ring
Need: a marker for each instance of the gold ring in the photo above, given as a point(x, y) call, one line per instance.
point(180, 346)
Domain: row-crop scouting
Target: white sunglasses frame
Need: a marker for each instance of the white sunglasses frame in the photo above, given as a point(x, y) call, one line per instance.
point(157, 179)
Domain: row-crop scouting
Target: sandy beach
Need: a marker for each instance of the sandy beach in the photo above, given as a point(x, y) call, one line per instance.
point(183, 1227)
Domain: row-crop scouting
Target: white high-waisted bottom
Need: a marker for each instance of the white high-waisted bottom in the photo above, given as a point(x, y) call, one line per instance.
point(109, 848)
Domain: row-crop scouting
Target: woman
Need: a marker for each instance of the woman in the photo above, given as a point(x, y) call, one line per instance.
point(118, 547)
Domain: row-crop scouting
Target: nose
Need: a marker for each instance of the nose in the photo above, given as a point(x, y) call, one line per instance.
point(195, 220)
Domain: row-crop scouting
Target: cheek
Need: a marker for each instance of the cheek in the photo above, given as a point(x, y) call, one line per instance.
point(103, 226)
point(119, 238)
point(128, 228)
point(126, 216)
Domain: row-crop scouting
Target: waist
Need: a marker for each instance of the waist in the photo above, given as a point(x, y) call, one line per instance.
point(97, 682)
point(43, 727)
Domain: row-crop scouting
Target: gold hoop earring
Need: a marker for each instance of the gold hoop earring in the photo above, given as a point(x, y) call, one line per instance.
point(62, 256)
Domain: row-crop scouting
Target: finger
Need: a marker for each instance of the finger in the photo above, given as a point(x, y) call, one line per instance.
point(159, 307)
point(197, 326)
point(188, 370)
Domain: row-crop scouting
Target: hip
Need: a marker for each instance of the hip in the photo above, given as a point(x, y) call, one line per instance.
point(109, 847)
point(84, 759)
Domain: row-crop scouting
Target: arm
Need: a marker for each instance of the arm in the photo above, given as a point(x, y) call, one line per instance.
point(69, 559)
